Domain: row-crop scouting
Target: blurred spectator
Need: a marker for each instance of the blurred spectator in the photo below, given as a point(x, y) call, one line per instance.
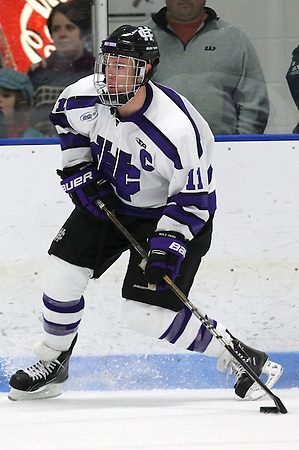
point(293, 80)
point(16, 93)
point(69, 25)
point(213, 64)
point(3, 132)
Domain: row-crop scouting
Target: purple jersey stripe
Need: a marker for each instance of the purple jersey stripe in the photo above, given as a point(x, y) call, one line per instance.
point(59, 119)
point(71, 140)
point(60, 330)
point(164, 144)
point(176, 212)
point(179, 215)
point(81, 102)
point(178, 326)
point(179, 102)
point(167, 147)
point(210, 174)
point(199, 199)
point(203, 338)
point(71, 307)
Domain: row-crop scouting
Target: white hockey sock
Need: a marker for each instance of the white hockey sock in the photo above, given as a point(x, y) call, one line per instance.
point(44, 352)
point(180, 328)
point(63, 301)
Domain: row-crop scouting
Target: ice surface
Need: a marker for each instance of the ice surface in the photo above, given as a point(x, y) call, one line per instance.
point(149, 420)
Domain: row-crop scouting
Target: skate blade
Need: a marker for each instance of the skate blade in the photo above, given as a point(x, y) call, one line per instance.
point(274, 372)
point(48, 391)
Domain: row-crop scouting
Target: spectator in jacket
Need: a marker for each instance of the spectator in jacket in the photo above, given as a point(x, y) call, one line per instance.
point(293, 80)
point(69, 25)
point(213, 64)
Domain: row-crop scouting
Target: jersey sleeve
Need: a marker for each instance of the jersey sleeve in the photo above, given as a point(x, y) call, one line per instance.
point(192, 196)
point(72, 131)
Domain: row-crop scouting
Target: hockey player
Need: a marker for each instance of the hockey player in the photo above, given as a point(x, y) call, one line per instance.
point(147, 154)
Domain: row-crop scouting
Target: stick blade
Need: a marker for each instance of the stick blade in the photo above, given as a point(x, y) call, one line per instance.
point(278, 409)
point(269, 410)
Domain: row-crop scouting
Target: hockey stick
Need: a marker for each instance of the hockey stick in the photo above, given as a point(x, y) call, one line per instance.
point(266, 409)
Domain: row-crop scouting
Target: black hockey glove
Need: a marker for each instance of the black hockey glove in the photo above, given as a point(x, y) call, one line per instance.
point(167, 251)
point(84, 184)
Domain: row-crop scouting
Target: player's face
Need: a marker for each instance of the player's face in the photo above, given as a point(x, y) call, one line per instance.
point(120, 74)
point(185, 10)
point(66, 37)
point(119, 78)
point(7, 101)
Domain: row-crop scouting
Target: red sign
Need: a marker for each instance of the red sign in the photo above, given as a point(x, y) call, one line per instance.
point(24, 36)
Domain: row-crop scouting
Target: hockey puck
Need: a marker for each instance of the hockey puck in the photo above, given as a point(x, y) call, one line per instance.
point(269, 410)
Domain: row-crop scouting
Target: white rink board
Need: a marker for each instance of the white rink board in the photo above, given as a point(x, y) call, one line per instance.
point(248, 280)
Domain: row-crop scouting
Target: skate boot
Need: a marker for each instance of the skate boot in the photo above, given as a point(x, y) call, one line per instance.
point(258, 361)
point(42, 380)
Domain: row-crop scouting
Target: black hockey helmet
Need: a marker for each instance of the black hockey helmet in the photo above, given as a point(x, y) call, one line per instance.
point(135, 42)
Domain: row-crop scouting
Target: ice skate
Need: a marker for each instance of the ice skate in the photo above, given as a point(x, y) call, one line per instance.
point(258, 361)
point(42, 380)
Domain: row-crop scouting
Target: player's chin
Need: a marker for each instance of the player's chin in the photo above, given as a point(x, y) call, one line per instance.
point(112, 89)
point(116, 90)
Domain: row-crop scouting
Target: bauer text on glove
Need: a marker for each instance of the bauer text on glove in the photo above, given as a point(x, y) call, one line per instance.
point(85, 185)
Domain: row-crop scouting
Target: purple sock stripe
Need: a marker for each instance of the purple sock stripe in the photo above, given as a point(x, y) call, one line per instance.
point(70, 307)
point(203, 338)
point(178, 326)
point(58, 329)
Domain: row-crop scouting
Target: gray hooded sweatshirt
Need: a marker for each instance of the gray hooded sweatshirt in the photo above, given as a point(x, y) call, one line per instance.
point(218, 71)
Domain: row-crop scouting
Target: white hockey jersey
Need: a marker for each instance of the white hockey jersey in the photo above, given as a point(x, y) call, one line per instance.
point(159, 160)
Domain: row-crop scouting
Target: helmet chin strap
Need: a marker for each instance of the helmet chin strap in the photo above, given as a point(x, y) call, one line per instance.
point(117, 100)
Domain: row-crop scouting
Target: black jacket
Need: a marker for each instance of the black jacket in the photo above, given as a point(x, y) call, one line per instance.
point(293, 76)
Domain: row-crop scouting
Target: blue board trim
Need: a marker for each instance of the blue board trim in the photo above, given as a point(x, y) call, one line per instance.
point(257, 137)
point(29, 141)
point(218, 138)
point(152, 371)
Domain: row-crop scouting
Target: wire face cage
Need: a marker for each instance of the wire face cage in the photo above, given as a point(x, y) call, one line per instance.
point(117, 78)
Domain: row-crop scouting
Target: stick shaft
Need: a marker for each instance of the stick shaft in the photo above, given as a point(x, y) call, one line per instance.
point(192, 308)
point(205, 322)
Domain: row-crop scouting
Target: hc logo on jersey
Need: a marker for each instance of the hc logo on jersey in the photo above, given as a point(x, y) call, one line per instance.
point(146, 33)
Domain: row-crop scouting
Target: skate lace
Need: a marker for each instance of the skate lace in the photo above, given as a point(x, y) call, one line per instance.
point(42, 369)
point(237, 369)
